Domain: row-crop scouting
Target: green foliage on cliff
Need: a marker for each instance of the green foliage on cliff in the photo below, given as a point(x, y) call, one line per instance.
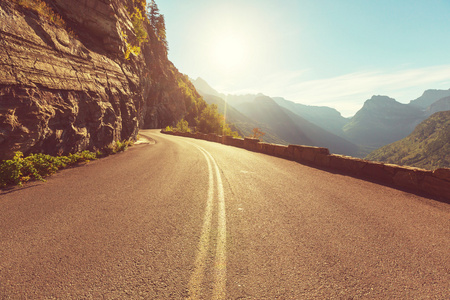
point(428, 146)
point(141, 14)
point(137, 19)
point(130, 48)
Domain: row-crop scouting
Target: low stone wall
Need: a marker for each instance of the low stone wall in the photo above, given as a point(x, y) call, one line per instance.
point(435, 183)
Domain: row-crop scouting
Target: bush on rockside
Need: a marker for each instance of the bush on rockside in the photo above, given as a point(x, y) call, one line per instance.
point(20, 169)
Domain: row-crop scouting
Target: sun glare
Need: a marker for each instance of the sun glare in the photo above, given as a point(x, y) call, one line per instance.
point(229, 53)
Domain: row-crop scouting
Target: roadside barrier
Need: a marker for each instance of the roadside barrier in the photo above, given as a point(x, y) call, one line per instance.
point(435, 183)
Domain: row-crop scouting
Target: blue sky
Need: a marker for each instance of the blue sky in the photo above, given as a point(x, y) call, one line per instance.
point(336, 53)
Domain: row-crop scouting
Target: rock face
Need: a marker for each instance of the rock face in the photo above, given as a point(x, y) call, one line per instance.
point(69, 89)
point(56, 94)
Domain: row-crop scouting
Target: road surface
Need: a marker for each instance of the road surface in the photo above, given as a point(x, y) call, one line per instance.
point(185, 218)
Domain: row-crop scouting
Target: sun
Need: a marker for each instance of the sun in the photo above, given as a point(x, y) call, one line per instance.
point(229, 53)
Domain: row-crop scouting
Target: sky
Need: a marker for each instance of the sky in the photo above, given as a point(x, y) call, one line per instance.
point(335, 53)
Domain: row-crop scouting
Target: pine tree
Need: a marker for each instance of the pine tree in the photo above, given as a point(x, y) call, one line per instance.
point(157, 23)
point(153, 13)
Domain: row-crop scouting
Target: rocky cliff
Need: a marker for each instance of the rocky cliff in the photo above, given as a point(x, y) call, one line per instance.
point(66, 86)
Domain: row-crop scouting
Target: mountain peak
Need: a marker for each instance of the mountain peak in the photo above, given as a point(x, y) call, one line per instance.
point(382, 98)
point(429, 97)
point(201, 85)
point(379, 102)
point(264, 99)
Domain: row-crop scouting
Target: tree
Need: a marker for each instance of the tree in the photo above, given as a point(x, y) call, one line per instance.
point(157, 23)
point(152, 12)
point(257, 134)
point(209, 121)
point(161, 32)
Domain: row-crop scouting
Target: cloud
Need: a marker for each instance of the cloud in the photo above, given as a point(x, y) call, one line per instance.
point(348, 92)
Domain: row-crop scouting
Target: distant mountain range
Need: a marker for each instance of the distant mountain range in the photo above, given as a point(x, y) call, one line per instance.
point(281, 125)
point(428, 146)
point(381, 121)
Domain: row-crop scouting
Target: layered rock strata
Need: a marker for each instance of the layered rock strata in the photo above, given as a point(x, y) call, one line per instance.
point(57, 95)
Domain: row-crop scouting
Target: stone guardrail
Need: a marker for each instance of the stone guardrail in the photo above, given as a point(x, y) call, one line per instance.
point(435, 183)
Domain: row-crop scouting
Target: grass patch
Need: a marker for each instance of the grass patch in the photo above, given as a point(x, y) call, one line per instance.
point(41, 8)
point(20, 169)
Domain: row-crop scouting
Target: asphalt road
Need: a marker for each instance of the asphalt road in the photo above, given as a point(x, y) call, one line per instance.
point(188, 218)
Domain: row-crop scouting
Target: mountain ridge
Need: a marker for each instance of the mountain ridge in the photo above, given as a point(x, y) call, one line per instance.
point(280, 124)
point(428, 146)
point(380, 121)
point(429, 97)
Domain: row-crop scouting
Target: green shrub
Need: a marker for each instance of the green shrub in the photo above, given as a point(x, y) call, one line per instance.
point(115, 147)
point(183, 126)
point(19, 169)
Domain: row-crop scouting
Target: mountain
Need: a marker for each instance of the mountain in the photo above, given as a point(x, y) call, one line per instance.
point(326, 117)
point(428, 146)
point(429, 97)
point(279, 120)
point(293, 128)
point(440, 105)
point(382, 121)
point(202, 86)
point(264, 110)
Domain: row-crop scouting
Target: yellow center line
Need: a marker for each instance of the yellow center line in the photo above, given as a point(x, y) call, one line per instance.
point(196, 280)
point(220, 263)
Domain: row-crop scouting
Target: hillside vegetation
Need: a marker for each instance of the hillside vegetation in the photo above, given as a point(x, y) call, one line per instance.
point(428, 146)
